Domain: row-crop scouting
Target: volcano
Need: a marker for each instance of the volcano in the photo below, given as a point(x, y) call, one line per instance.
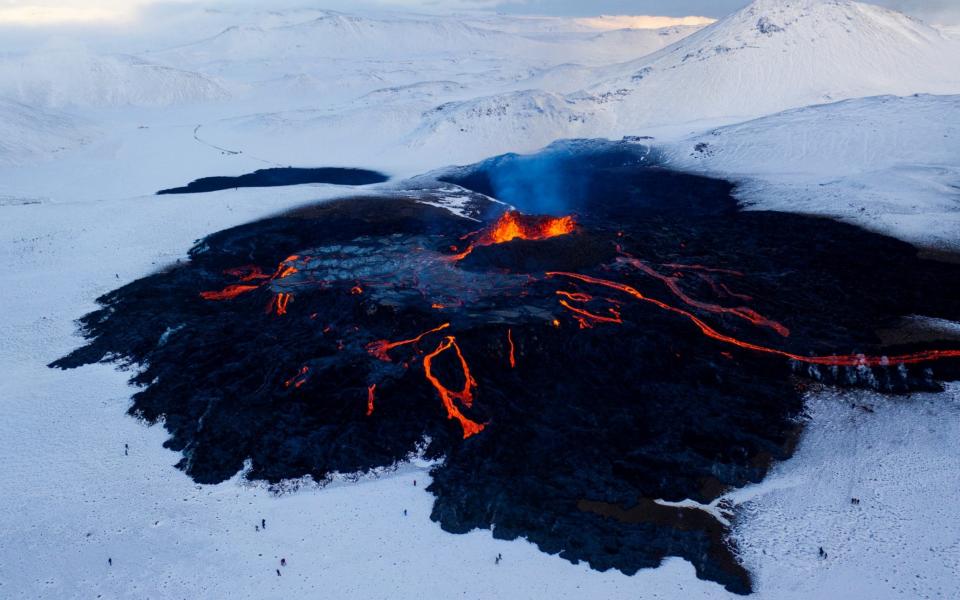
point(578, 365)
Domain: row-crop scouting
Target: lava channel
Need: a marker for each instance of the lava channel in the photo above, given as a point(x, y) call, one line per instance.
point(836, 360)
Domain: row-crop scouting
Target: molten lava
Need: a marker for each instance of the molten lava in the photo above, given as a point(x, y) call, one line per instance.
point(380, 348)
point(299, 379)
point(743, 312)
point(841, 360)
point(448, 396)
point(513, 355)
point(279, 304)
point(228, 293)
point(247, 273)
point(371, 390)
point(586, 318)
point(513, 225)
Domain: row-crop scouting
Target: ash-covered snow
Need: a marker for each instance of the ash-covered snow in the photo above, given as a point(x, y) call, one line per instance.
point(88, 134)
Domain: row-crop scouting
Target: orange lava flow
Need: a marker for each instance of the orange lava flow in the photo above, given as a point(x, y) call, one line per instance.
point(251, 273)
point(513, 224)
point(743, 312)
point(513, 355)
point(247, 273)
point(284, 269)
point(448, 396)
point(841, 360)
point(228, 293)
point(575, 296)
point(371, 390)
point(279, 303)
point(585, 317)
point(380, 348)
point(299, 379)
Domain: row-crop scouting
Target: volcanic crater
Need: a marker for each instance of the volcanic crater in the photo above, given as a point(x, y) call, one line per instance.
point(620, 339)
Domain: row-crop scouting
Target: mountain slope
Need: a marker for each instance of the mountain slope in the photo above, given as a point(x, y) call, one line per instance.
point(891, 164)
point(338, 35)
point(778, 54)
point(27, 133)
point(770, 56)
point(83, 79)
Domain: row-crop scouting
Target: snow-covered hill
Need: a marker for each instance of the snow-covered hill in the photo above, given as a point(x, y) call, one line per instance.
point(770, 56)
point(778, 54)
point(891, 164)
point(78, 78)
point(335, 35)
point(27, 133)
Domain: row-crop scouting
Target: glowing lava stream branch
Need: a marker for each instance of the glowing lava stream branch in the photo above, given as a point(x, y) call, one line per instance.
point(371, 391)
point(380, 348)
point(584, 316)
point(513, 355)
point(279, 303)
point(251, 273)
point(849, 360)
point(447, 396)
point(228, 293)
point(743, 312)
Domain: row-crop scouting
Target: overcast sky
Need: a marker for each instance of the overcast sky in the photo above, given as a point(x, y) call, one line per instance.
point(92, 11)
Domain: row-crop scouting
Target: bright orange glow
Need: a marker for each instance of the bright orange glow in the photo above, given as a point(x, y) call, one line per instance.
point(513, 224)
point(356, 290)
point(284, 269)
point(448, 396)
point(228, 293)
point(371, 390)
point(299, 379)
point(586, 317)
point(279, 304)
point(247, 273)
point(380, 348)
point(841, 360)
point(252, 273)
point(575, 296)
point(743, 312)
point(513, 355)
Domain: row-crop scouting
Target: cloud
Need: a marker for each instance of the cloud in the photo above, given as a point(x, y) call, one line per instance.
point(41, 13)
point(641, 21)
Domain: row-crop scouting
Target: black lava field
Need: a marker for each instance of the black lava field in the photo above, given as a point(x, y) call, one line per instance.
point(281, 176)
point(627, 335)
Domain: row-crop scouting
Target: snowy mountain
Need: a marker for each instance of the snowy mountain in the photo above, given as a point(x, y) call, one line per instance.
point(770, 56)
point(778, 54)
point(335, 36)
point(84, 79)
point(27, 132)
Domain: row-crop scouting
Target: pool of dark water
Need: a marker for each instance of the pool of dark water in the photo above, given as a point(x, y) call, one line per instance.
point(281, 176)
point(573, 385)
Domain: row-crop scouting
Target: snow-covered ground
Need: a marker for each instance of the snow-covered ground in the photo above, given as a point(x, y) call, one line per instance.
point(890, 164)
point(90, 129)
